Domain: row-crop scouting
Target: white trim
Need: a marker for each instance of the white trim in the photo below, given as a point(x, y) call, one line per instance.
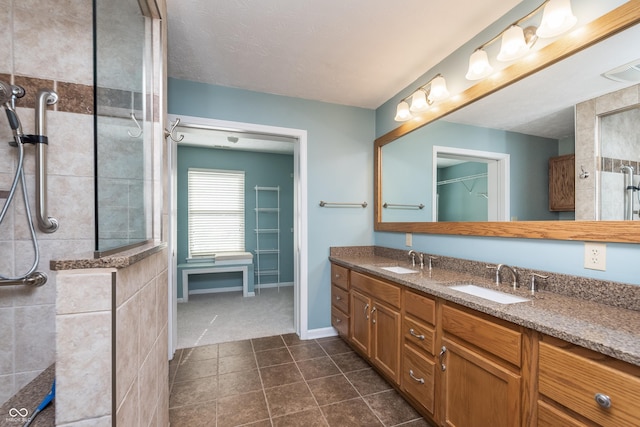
point(320, 333)
point(218, 291)
point(300, 226)
point(498, 179)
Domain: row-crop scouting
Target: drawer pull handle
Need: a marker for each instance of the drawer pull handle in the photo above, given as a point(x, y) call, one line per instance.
point(366, 315)
point(337, 275)
point(603, 400)
point(338, 298)
point(419, 380)
point(413, 333)
point(373, 310)
point(338, 320)
point(443, 350)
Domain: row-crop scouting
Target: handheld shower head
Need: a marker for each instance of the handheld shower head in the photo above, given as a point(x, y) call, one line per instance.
point(8, 93)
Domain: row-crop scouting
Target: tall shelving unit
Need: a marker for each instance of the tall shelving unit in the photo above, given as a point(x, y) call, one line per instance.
point(267, 236)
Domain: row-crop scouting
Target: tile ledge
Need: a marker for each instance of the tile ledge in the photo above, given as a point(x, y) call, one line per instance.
point(119, 260)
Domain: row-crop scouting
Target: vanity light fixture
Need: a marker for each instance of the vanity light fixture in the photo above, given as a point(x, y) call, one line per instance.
point(422, 98)
point(517, 41)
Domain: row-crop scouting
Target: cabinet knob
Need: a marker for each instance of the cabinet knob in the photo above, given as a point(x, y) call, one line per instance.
point(603, 400)
point(338, 297)
point(443, 350)
point(338, 320)
point(373, 310)
point(337, 276)
point(413, 333)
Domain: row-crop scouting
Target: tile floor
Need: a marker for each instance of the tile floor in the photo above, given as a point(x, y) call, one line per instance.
point(282, 381)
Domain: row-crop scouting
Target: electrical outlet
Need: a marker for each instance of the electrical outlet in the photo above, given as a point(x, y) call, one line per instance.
point(408, 239)
point(595, 256)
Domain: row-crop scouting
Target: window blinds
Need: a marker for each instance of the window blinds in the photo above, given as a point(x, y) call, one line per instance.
point(216, 211)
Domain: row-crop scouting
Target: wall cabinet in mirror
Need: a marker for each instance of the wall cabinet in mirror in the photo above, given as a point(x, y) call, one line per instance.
point(562, 194)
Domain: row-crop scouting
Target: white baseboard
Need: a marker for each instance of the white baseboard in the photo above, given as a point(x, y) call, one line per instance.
point(313, 334)
point(215, 290)
point(273, 285)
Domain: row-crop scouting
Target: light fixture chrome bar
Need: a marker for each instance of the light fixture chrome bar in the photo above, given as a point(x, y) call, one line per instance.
point(323, 204)
point(45, 223)
point(518, 22)
point(396, 205)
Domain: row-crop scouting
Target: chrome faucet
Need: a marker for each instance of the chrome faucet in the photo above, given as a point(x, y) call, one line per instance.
point(533, 281)
point(413, 254)
point(431, 259)
point(499, 269)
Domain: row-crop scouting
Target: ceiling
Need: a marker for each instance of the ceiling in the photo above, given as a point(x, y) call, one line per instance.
point(356, 52)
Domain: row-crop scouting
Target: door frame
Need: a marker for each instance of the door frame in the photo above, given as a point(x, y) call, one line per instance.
point(300, 226)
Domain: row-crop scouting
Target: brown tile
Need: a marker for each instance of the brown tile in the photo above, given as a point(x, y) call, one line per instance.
point(292, 339)
point(306, 351)
point(418, 423)
point(194, 391)
point(262, 423)
point(75, 98)
point(391, 408)
point(289, 398)
point(242, 362)
point(348, 362)
point(273, 376)
point(196, 369)
point(176, 357)
point(267, 343)
point(333, 389)
point(308, 418)
point(200, 415)
point(335, 347)
point(351, 413)
point(200, 353)
point(276, 356)
point(368, 381)
point(234, 348)
point(238, 383)
point(242, 409)
point(317, 368)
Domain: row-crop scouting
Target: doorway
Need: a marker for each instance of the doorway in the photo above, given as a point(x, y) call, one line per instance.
point(226, 136)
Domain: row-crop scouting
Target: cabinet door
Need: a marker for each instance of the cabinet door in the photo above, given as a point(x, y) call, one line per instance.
point(385, 353)
point(359, 322)
point(477, 391)
point(562, 183)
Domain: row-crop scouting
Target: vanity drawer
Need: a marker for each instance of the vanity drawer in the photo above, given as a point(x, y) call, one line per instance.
point(380, 290)
point(488, 335)
point(420, 307)
point(339, 298)
point(548, 416)
point(418, 375)
point(340, 321)
point(340, 276)
point(419, 334)
point(574, 380)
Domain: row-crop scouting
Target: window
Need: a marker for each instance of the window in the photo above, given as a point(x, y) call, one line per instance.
point(216, 211)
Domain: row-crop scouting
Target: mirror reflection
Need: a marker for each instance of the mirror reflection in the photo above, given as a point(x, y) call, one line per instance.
point(532, 122)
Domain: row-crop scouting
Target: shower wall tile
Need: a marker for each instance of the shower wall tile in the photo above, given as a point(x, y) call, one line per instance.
point(75, 98)
point(31, 87)
point(65, 51)
point(148, 382)
point(84, 291)
point(6, 295)
point(617, 100)
point(83, 366)
point(7, 339)
point(127, 334)
point(7, 388)
point(148, 319)
point(35, 337)
point(162, 301)
point(128, 413)
point(6, 54)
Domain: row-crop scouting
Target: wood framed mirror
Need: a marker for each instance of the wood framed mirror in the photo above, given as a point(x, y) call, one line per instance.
point(610, 24)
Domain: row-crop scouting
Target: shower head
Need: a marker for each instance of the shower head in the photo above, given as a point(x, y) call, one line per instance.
point(8, 94)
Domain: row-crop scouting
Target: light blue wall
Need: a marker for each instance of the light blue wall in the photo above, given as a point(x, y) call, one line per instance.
point(262, 169)
point(339, 166)
point(555, 256)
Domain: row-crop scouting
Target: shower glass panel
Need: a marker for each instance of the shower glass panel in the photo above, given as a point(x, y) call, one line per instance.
point(619, 146)
point(123, 124)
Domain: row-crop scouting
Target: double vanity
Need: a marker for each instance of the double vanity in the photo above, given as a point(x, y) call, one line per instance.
point(466, 351)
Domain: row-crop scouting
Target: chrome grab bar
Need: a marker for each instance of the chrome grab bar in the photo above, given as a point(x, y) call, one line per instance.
point(45, 223)
point(34, 279)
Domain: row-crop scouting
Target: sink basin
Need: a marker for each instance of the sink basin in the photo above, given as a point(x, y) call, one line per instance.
point(399, 270)
point(491, 295)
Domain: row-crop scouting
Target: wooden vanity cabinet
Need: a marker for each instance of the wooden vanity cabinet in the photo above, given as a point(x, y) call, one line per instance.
point(375, 322)
point(480, 362)
point(418, 378)
point(579, 387)
point(340, 299)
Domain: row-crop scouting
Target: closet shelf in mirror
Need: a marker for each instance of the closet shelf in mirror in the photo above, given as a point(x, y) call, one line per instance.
point(462, 178)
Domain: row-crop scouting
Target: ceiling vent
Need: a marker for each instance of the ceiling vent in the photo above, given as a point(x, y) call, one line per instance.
point(628, 73)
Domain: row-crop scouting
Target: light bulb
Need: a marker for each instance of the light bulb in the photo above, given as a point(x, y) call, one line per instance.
point(419, 102)
point(402, 112)
point(439, 90)
point(479, 66)
point(557, 18)
point(513, 44)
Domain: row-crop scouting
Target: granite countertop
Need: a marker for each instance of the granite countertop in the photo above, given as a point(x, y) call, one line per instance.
point(604, 328)
point(119, 260)
point(28, 398)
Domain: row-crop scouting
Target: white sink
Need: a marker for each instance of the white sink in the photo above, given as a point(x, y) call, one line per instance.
point(399, 270)
point(491, 295)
